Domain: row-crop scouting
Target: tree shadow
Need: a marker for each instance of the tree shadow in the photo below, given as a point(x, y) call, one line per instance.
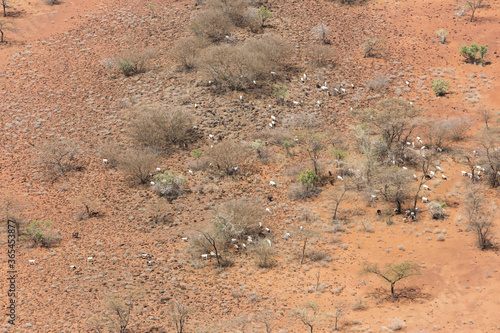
point(406, 293)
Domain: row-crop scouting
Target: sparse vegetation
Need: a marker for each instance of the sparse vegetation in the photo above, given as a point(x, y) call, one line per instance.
point(321, 55)
point(226, 157)
point(437, 210)
point(440, 87)
point(378, 84)
point(238, 219)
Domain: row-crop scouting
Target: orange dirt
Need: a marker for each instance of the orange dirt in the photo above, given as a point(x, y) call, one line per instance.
point(53, 85)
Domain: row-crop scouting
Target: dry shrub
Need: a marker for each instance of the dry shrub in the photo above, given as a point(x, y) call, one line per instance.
point(238, 218)
point(186, 52)
point(251, 19)
point(277, 136)
point(458, 128)
point(133, 62)
point(265, 254)
point(232, 9)
point(321, 55)
point(314, 255)
point(57, 157)
point(90, 205)
point(379, 83)
point(437, 210)
point(322, 32)
point(138, 163)
point(111, 152)
point(299, 191)
point(227, 156)
point(158, 211)
point(211, 24)
point(160, 127)
point(235, 67)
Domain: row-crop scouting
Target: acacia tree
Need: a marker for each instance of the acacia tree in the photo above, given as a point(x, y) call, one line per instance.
point(394, 120)
point(392, 273)
point(394, 185)
point(308, 314)
point(5, 26)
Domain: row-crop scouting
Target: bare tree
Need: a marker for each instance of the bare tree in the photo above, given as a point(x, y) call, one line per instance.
point(121, 311)
point(5, 4)
point(489, 140)
point(309, 315)
point(392, 273)
point(339, 312)
point(471, 6)
point(486, 115)
point(179, 314)
point(209, 241)
point(11, 208)
point(5, 26)
point(268, 319)
point(479, 218)
point(58, 157)
point(339, 197)
point(424, 163)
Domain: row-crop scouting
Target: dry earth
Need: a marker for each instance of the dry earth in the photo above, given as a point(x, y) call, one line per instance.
point(53, 85)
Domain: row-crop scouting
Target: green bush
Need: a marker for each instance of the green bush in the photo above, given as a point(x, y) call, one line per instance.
point(263, 15)
point(309, 178)
point(470, 53)
point(197, 153)
point(281, 94)
point(42, 233)
point(169, 184)
point(134, 61)
point(440, 87)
